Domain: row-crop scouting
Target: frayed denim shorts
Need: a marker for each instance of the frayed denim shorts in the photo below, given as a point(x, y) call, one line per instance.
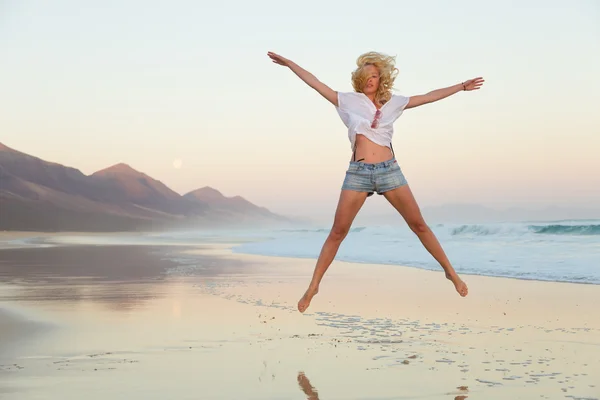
point(380, 177)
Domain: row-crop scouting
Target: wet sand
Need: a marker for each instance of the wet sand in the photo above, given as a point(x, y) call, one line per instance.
point(203, 323)
point(16, 328)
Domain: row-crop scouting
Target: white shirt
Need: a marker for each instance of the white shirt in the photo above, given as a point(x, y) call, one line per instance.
point(357, 112)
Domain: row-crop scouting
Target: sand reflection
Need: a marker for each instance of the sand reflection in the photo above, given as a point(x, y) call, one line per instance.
point(307, 388)
point(312, 393)
point(121, 277)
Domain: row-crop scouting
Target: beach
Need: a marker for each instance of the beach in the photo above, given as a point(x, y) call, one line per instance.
point(200, 321)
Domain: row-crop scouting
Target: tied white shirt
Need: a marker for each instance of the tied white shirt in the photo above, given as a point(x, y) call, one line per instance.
point(357, 112)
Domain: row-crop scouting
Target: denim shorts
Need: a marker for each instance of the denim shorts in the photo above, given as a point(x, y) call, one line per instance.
point(380, 177)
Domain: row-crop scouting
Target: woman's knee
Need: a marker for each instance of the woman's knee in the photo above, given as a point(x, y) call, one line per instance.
point(418, 226)
point(338, 233)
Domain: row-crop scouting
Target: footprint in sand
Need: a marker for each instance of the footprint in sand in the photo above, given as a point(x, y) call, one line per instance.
point(95, 362)
point(13, 367)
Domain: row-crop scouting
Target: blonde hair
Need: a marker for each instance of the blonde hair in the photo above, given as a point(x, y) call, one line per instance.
point(387, 74)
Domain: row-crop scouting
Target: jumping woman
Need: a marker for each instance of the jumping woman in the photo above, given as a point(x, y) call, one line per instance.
point(369, 113)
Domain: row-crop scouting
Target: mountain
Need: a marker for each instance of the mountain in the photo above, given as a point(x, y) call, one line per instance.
point(40, 195)
point(50, 175)
point(235, 206)
point(126, 185)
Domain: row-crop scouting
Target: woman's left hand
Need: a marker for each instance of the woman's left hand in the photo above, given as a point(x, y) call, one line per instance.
point(473, 84)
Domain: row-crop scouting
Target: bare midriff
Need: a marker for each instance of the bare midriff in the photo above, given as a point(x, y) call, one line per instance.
point(370, 152)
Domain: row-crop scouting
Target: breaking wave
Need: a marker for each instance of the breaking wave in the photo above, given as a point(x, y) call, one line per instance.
point(566, 229)
point(554, 229)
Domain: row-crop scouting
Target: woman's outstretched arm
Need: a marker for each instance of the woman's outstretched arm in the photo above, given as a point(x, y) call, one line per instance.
point(435, 95)
point(307, 77)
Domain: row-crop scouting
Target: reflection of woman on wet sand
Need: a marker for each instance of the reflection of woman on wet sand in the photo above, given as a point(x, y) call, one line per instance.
point(306, 387)
point(369, 114)
point(312, 393)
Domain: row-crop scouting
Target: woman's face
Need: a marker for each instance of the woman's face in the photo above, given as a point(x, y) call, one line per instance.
point(372, 79)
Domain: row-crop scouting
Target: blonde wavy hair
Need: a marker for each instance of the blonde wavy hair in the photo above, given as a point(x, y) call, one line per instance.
point(387, 74)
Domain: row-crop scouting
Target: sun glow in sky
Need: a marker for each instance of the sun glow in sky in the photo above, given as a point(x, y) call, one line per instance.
point(184, 92)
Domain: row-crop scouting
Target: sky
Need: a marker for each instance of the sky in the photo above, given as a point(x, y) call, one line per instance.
point(184, 92)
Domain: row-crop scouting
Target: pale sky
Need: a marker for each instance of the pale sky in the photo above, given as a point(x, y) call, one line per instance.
point(188, 84)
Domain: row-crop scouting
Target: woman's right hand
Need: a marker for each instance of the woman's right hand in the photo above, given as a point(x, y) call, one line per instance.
point(307, 77)
point(277, 59)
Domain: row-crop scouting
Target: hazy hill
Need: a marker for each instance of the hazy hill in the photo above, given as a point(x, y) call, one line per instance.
point(36, 194)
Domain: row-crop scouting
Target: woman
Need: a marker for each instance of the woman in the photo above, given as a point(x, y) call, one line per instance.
point(369, 113)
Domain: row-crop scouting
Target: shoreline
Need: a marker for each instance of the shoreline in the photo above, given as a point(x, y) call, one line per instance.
point(418, 268)
point(7, 236)
point(536, 296)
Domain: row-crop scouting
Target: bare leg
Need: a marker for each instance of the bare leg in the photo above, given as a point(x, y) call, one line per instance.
point(348, 207)
point(404, 202)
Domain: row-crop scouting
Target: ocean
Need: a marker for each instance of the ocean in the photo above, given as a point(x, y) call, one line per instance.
point(561, 251)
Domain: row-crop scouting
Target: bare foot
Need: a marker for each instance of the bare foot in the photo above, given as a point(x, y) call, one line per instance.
point(305, 300)
point(460, 286)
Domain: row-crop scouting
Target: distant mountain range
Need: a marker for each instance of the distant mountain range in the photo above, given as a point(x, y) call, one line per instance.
point(37, 195)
